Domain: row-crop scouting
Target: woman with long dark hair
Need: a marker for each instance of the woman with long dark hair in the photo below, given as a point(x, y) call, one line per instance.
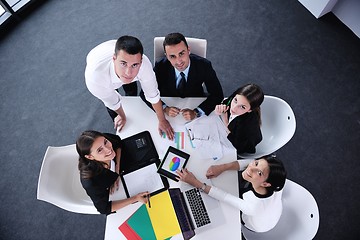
point(99, 166)
point(241, 114)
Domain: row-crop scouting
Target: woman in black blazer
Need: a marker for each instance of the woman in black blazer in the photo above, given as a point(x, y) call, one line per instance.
point(99, 166)
point(241, 114)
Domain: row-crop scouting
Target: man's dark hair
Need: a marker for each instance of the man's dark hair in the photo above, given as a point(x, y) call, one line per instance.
point(173, 39)
point(129, 44)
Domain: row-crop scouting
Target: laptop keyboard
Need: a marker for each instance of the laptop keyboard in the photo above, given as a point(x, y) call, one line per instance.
point(197, 207)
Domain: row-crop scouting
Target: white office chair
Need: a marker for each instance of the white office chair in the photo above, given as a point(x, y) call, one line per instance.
point(59, 181)
point(277, 128)
point(197, 46)
point(299, 219)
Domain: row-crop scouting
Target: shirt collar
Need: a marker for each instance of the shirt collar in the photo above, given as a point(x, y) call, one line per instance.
point(186, 71)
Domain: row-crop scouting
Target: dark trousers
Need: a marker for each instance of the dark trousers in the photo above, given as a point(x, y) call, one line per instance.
point(142, 96)
point(130, 90)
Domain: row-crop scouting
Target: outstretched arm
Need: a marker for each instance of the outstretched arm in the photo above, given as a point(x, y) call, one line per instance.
point(216, 170)
point(120, 119)
point(141, 197)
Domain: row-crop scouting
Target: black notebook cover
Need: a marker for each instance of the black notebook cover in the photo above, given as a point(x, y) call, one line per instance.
point(137, 151)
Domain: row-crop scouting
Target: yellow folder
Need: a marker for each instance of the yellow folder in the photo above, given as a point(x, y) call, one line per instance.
point(163, 216)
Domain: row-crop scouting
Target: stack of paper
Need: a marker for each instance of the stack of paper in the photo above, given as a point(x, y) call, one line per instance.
point(208, 135)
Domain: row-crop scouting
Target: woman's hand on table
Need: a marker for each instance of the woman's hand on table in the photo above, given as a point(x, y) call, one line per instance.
point(214, 171)
point(188, 177)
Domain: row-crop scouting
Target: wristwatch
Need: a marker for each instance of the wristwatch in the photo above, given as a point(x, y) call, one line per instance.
point(202, 189)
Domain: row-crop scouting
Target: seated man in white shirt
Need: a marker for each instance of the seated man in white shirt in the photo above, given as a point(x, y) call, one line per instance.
point(112, 64)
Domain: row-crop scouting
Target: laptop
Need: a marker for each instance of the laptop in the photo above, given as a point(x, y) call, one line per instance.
point(195, 210)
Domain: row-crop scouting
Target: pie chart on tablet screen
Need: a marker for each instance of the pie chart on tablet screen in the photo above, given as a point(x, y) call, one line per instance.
point(174, 164)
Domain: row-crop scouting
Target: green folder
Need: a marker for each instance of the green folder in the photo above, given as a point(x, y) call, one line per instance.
point(141, 224)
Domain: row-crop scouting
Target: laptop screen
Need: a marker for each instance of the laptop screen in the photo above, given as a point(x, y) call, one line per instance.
point(182, 213)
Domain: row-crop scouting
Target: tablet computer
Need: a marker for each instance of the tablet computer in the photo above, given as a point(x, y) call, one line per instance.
point(174, 159)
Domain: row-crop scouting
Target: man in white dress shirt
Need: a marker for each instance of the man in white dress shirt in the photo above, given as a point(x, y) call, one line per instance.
point(112, 64)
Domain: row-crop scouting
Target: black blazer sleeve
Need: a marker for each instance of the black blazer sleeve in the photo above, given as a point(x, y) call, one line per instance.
point(245, 133)
point(98, 187)
point(201, 71)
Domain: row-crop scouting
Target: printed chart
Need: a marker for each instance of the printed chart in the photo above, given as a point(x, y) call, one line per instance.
point(179, 140)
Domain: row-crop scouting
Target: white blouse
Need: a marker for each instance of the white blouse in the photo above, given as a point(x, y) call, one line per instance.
point(258, 214)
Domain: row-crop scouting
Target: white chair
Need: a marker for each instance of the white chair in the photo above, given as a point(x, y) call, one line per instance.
point(277, 128)
point(299, 219)
point(197, 46)
point(59, 181)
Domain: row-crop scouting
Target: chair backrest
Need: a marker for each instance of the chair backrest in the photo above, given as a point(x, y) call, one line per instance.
point(197, 46)
point(277, 128)
point(299, 219)
point(59, 181)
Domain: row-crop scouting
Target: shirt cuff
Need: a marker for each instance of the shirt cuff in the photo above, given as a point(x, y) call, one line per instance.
point(217, 193)
point(114, 107)
point(199, 112)
point(154, 99)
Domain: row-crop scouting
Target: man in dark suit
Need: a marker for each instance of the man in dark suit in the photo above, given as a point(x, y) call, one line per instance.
point(181, 74)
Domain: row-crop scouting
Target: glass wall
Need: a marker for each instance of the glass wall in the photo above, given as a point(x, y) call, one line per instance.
point(9, 8)
point(2, 10)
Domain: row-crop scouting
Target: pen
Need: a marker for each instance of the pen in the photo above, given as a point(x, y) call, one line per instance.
point(189, 133)
point(229, 101)
point(148, 197)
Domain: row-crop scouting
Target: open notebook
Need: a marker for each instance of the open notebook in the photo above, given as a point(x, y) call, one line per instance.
point(139, 164)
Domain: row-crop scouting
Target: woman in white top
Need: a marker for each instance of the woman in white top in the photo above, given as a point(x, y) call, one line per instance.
point(261, 184)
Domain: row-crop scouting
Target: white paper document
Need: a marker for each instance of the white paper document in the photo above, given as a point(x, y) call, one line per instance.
point(143, 179)
point(209, 136)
